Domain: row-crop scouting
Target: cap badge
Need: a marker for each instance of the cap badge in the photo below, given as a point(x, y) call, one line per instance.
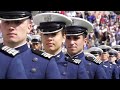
point(73, 21)
point(47, 18)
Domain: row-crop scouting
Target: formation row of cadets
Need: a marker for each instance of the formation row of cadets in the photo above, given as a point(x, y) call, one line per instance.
point(20, 62)
point(109, 57)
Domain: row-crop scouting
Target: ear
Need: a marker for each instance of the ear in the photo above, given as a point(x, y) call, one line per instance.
point(64, 38)
point(30, 26)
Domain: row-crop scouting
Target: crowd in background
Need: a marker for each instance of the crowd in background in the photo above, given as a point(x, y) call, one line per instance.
point(106, 26)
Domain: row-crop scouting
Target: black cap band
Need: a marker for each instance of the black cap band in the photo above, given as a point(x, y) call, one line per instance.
point(75, 30)
point(112, 54)
point(95, 52)
point(35, 40)
point(105, 50)
point(118, 49)
point(15, 14)
point(51, 26)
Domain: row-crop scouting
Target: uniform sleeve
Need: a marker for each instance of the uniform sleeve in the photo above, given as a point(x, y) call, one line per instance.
point(52, 71)
point(16, 70)
point(100, 73)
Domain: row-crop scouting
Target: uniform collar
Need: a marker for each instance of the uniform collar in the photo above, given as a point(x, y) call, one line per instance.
point(78, 55)
point(59, 55)
point(22, 48)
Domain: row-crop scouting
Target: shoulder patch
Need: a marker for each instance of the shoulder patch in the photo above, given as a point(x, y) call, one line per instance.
point(42, 53)
point(92, 59)
point(9, 51)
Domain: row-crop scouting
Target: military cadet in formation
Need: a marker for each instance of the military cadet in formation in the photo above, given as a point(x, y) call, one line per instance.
point(52, 27)
point(35, 64)
point(36, 43)
point(75, 38)
point(111, 71)
point(117, 47)
point(93, 58)
point(113, 56)
point(96, 51)
point(9, 69)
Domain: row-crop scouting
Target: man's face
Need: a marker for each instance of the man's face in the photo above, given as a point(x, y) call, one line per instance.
point(36, 46)
point(105, 56)
point(15, 31)
point(74, 44)
point(112, 58)
point(52, 42)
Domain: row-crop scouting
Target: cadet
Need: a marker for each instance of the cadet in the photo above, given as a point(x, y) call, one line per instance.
point(75, 39)
point(15, 26)
point(96, 51)
point(36, 43)
point(117, 47)
point(111, 71)
point(52, 26)
point(113, 56)
point(9, 69)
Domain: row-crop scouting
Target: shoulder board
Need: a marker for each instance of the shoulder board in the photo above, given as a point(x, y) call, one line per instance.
point(42, 53)
point(93, 60)
point(75, 61)
point(9, 51)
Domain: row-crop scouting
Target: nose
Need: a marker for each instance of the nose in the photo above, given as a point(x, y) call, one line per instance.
point(72, 41)
point(11, 28)
point(49, 38)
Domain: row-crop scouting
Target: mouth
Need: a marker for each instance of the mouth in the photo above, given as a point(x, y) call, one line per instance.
point(72, 47)
point(49, 44)
point(11, 34)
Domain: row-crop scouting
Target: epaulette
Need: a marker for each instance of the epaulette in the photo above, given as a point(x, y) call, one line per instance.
point(42, 53)
point(72, 60)
point(75, 61)
point(92, 59)
point(9, 51)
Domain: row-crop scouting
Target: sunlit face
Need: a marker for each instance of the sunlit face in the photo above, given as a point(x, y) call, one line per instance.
point(74, 44)
point(52, 43)
point(15, 31)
